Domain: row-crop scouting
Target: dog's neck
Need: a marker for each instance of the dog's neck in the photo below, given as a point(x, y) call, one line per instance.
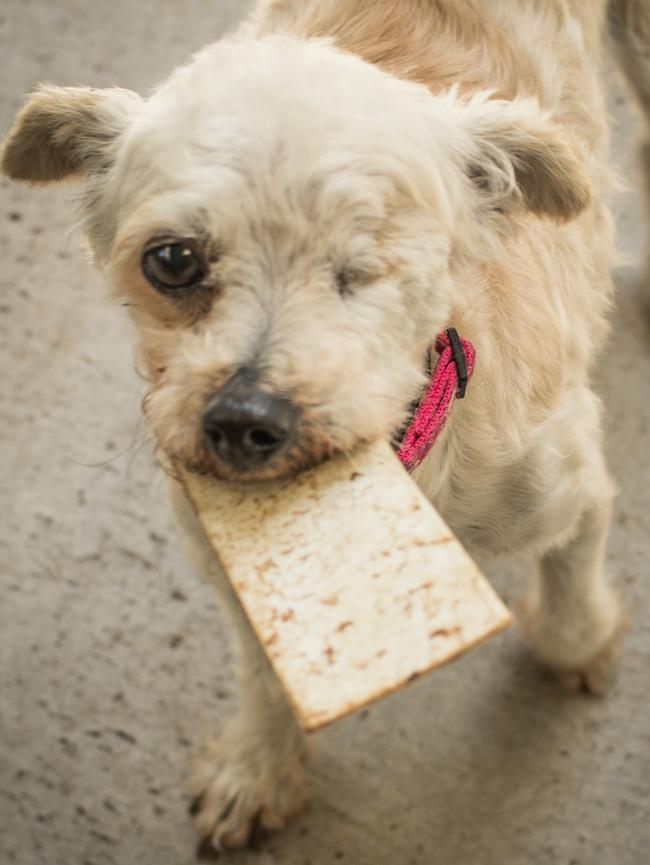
point(448, 377)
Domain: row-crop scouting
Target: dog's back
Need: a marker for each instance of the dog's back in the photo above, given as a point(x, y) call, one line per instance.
point(515, 48)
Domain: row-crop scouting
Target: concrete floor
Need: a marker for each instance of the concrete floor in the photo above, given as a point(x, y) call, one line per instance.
point(115, 662)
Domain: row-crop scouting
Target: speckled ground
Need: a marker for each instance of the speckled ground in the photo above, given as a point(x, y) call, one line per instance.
point(114, 659)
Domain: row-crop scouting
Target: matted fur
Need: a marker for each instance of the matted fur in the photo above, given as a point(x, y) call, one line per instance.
point(445, 161)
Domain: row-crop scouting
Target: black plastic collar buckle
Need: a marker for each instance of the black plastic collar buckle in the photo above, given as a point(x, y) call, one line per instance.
point(458, 354)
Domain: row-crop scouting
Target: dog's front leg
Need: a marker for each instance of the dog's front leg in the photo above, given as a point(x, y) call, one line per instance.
point(250, 779)
point(572, 617)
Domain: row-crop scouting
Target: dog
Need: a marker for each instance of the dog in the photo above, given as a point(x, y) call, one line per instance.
point(295, 214)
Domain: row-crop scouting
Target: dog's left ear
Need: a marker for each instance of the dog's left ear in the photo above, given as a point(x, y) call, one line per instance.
point(520, 158)
point(66, 131)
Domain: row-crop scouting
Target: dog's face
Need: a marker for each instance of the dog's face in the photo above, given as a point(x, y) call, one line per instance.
point(283, 221)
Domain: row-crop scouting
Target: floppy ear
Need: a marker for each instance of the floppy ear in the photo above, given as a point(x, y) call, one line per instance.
point(520, 158)
point(63, 131)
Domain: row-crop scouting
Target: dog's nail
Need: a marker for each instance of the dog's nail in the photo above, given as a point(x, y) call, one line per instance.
point(205, 852)
point(195, 805)
point(257, 833)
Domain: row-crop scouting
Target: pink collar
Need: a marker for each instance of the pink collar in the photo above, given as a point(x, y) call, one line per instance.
point(448, 382)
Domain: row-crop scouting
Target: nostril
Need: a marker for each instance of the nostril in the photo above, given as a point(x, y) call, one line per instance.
point(250, 439)
point(261, 439)
point(215, 434)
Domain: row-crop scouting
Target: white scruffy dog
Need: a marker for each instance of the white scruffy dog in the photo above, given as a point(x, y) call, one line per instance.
point(293, 217)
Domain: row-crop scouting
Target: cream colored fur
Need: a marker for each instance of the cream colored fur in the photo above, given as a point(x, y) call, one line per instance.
point(446, 160)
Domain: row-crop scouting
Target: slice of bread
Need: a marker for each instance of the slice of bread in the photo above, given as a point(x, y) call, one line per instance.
point(351, 580)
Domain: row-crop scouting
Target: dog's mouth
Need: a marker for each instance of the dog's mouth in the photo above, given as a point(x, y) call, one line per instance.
point(245, 432)
point(239, 432)
point(303, 452)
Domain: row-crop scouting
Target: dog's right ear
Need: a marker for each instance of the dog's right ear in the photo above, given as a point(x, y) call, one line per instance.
point(66, 131)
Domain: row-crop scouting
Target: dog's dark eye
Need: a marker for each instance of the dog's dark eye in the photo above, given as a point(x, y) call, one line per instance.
point(172, 266)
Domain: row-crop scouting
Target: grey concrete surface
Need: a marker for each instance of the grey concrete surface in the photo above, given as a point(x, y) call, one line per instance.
point(115, 662)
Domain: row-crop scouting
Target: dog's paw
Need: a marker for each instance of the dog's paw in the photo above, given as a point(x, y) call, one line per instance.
point(240, 794)
point(595, 676)
point(579, 659)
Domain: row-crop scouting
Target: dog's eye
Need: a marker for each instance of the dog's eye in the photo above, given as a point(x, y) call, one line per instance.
point(173, 266)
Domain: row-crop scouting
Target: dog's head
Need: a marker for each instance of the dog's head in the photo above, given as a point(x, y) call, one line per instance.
point(283, 220)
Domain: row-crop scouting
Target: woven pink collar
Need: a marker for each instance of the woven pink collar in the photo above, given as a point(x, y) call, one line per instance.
point(448, 382)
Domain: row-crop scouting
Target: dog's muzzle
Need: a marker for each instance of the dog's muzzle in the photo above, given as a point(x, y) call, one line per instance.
point(247, 427)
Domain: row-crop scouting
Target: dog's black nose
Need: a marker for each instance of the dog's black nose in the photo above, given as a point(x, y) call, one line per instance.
point(246, 426)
